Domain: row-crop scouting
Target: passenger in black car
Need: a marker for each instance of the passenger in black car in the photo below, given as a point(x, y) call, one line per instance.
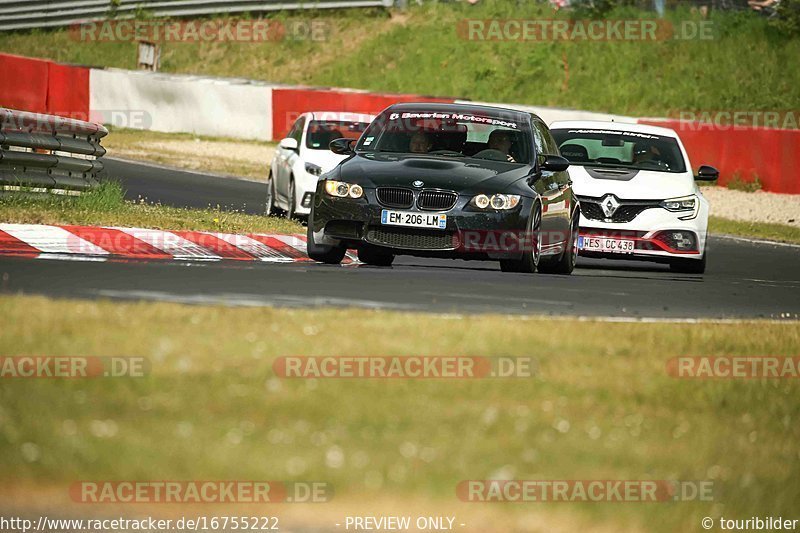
point(420, 143)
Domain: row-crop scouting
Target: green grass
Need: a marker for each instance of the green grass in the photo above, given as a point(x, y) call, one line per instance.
point(421, 52)
point(129, 135)
point(106, 206)
point(759, 230)
point(738, 183)
point(601, 407)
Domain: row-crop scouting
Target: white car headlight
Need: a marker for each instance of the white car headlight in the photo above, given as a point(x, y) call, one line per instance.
point(314, 170)
point(500, 202)
point(685, 204)
point(340, 189)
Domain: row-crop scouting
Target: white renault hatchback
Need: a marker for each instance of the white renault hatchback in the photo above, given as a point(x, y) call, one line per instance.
point(304, 155)
point(637, 193)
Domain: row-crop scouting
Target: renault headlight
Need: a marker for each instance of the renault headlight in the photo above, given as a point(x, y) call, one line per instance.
point(685, 204)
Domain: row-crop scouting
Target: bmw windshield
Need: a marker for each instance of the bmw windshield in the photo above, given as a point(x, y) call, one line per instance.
point(488, 135)
point(620, 149)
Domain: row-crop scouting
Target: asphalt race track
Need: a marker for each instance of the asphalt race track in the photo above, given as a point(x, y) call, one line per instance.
point(743, 280)
point(186, 189)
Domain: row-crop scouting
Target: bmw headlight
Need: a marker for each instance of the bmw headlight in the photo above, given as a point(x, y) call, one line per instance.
point(500, 202)
point(314, 170)
point(481, 201)
point(340, 189)
point(688, 204)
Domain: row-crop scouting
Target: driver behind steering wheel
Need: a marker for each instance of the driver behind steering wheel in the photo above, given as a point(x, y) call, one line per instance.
point(644, 153)
point(500, 140)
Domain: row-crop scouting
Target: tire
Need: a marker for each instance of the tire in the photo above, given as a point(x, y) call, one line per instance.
point(330, 255)
point(291, 202)
point(530, 259)
point(689, 266)
point(270, 201)
point(565, 263)
point(375, 256)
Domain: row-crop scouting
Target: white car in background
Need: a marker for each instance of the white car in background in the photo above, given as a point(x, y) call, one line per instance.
point(637, 193)
point(304, 155)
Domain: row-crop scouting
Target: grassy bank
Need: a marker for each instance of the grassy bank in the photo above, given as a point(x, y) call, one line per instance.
point(106, 206)
point(756, 230)
point(421, 51)
point(221, 156)
point(600, 407)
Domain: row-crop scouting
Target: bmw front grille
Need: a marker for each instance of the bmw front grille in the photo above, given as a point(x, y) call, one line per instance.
point(395, 197)
point(436, 200)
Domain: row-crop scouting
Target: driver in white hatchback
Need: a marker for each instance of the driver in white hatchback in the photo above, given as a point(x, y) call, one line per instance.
point(643, 153)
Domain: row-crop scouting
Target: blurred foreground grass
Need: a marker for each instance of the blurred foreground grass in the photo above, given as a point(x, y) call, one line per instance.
point(601, 407)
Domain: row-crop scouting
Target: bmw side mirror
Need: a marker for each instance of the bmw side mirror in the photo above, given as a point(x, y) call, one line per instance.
point(553, 163)
point(288, 143)
point(707, 173)
point(342, 146)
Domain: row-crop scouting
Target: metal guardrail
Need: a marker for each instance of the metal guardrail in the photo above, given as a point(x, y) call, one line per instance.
point(25, 14)
point(46, 153)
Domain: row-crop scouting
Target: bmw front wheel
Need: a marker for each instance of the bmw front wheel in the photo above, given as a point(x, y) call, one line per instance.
point(530, 258)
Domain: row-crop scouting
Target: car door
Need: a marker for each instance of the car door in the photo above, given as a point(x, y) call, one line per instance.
point(564, 203)
point(554, 229)
point(286, 159)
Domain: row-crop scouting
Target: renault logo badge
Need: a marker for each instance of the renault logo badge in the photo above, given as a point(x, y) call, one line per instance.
point(610, 205)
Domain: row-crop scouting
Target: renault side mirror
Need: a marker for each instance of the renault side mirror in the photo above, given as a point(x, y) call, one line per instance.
point(707, 173)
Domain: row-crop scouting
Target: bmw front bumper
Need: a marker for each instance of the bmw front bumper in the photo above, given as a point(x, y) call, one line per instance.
point(469, 234)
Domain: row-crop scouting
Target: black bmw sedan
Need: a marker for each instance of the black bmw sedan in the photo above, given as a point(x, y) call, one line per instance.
point(448, 180)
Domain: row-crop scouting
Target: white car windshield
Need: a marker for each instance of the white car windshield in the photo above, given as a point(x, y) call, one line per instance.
point(620, 149)
point(322, 132)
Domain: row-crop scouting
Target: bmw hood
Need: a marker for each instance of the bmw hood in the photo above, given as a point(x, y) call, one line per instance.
point(464, 175)
point(630, 184)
